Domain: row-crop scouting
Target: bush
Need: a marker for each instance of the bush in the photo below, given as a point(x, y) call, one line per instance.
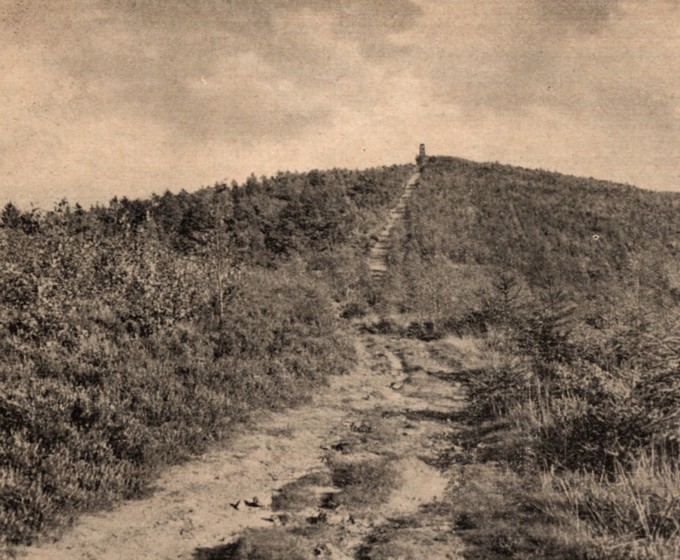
point(133, 335)
point(423, 330)
point(272, 544)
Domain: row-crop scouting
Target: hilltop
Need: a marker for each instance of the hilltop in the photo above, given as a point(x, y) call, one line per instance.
point(596, 239)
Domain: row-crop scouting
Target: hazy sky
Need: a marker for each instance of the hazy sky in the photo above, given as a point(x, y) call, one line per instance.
point(129, 97)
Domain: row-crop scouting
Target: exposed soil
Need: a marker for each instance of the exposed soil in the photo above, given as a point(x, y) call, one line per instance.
point(352, 474)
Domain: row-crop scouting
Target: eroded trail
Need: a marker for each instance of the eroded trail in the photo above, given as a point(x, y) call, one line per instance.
point(327, 479)
point(377, 258)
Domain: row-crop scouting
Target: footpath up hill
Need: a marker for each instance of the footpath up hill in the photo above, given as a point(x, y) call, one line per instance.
point(503, 343)
point(134, 334)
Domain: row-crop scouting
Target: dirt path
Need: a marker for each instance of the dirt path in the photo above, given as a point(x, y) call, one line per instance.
point(377, 258)
point(327, 479)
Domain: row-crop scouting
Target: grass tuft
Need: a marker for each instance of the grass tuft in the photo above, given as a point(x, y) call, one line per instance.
point(363, 483)
point(272, 544)
point(301, 494)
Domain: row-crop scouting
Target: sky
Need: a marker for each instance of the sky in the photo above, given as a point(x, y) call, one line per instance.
point(104, 98)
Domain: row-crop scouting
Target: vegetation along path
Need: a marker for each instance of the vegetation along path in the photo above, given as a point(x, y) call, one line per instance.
point(337, 478)
point(519, 400)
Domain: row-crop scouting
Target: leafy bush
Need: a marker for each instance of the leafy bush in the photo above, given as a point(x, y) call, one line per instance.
point(134, 334)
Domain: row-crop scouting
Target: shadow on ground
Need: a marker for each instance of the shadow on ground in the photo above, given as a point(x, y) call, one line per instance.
point(221, 552)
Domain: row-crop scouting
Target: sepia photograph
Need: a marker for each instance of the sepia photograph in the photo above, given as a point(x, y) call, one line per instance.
point(340, 279)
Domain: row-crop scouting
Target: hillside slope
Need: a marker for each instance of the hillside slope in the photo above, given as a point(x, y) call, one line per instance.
point(573, 285)
point(136, 333)
point(510, 378)
point(599, 241)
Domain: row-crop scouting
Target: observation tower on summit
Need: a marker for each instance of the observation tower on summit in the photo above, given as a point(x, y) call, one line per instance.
point(421, 157)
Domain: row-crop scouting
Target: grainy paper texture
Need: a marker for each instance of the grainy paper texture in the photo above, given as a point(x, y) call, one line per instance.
point(126, 98)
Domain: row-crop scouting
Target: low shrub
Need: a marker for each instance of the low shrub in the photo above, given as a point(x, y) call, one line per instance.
point(423, 330)
point(364, 483)
point(499, 387)
point(354, 310)
point(85, 425)
point(272, 544)
point(382, 326)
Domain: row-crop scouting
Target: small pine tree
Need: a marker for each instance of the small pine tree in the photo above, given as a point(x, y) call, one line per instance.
point(11, 217)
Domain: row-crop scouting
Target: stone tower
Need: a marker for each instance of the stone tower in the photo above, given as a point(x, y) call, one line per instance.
point(421, 157)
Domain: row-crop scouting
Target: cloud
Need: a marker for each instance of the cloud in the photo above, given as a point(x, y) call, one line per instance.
point(262, 63)
point(174, 78)
point(502, 55)
point(582, 87)
point(586, 16)
point(106, 97)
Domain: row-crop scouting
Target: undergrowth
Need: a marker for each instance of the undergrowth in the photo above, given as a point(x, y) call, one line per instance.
point(364, 483)
point(571, 285)
point(135, 334)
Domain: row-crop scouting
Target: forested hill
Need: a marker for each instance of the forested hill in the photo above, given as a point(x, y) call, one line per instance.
point(264, 218)
point(602, 242)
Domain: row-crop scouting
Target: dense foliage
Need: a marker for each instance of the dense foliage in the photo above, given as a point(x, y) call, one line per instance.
point(574, 285)
point(133, 334)
point(580, 278)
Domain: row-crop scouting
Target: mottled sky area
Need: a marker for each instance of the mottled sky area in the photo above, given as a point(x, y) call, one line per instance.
point(130, 97)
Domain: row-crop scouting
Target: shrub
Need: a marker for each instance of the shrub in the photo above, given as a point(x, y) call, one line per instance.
point(134, 334)
point(272, 544)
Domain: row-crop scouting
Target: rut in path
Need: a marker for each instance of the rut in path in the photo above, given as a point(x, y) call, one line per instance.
point(377, 258)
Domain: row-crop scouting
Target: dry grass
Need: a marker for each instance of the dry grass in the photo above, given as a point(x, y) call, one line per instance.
point(635, 516)
point(271, 544)
point(409, 543)
point(365, 482)
point(494, 512)
point(301, 493)
point(502, 511)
